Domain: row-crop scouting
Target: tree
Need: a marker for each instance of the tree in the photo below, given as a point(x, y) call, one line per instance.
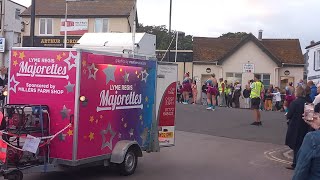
point(234, 35)
point(163, 38)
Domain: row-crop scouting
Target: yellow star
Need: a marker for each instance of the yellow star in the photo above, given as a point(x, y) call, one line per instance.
point(101, 116)
point(15, 62)
point(59, 57)
point(63, 54)
point(91, 136)
point(84, 63)
point(70, 132)
point(147, 99)
point(140, 117)
point(120, 69)
point(22, 55)
point(125, 125)
point(91, 119)
point(15, 54)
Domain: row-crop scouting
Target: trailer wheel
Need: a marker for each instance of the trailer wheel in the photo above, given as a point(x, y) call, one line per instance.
point(129, 165)
point(15, 175)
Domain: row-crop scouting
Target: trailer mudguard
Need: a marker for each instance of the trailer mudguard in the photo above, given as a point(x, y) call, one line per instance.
point(121, 149)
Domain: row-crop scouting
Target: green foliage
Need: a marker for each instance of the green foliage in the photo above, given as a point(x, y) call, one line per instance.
point(163, 38)
point(234, 35)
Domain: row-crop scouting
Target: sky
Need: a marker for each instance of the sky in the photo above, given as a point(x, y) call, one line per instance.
point(289, 19)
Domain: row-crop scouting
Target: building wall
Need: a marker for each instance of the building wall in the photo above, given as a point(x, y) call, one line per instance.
point(12, 28)
point(115, 25)
point(250, 53)
point(312, 73)
point(184, 67)
point(295, 72)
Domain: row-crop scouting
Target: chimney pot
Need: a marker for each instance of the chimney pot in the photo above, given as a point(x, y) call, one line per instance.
point(312, 42)
point(260, 34)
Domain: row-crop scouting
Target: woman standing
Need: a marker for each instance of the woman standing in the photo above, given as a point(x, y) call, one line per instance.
point(186, 88)
point(194, 91)
point(289, 97)
point(297, 127)
point(237, 94)
point(212, 92)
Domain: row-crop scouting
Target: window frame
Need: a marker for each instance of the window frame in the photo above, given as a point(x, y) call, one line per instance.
point(46, 27)
point(316, 60)
point(102, 27)
point(234, 77)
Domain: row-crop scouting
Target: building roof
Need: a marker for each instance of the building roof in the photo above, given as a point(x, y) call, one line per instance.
point(313, 45)
point(88, 8)
point(287, 51)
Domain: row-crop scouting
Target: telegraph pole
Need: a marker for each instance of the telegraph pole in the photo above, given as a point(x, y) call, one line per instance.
point(3, 7)
point(170, 30)
point(33, 19)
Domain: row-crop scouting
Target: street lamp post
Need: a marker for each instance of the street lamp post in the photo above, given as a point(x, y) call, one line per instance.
point(170, 14)
point(66, 19)
point(177, 36)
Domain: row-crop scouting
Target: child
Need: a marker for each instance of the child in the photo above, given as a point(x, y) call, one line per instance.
point(277, 96)
point(229, 96)
point(268, 101)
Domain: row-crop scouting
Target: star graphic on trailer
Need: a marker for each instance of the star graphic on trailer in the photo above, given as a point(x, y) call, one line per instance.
point(69, 87)
point(71, 65)
point(90, 69)
point(144, 75)
point(65, 112)
point(106, 143)
point(109, 72)
point(126, 77)
point(16, 83)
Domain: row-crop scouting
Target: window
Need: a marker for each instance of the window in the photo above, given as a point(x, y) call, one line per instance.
point(46, 27)
point(233, 77)
point(101, 25)
point(17, 14)
point(317, 60)
point(265, 79)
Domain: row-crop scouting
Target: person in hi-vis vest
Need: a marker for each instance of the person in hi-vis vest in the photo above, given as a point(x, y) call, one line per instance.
point(256, 88)
point(222, 95)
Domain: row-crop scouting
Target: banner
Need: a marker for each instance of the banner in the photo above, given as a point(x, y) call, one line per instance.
point(74, 26)
point(47, 77)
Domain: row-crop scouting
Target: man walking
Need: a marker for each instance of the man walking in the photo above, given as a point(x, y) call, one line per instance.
point(255, 94)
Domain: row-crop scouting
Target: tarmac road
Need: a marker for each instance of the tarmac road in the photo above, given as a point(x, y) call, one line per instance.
point(201, 154)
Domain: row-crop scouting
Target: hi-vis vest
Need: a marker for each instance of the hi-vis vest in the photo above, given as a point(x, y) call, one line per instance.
point(220, 86)
point(256, 90)
point(3, 151)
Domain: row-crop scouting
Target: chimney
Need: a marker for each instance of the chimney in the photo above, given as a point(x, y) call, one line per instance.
point(260, 34)
point(312, 42)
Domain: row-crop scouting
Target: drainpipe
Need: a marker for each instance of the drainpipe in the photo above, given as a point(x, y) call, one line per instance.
point(276, 77)
point(221, 75)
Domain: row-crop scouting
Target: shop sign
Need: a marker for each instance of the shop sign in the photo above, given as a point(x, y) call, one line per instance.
point(74, 26)
point(2, 44)
point(248, 68)
point(50, 41)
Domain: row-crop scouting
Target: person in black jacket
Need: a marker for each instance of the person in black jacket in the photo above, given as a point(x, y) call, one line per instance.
point(297, 127)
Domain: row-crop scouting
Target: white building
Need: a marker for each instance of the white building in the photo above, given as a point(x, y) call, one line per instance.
point(275, 61)
point(11, 27)
point(313, 60)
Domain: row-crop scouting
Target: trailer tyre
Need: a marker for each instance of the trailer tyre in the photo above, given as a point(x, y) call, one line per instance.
point(15, 175)
point(129, 165)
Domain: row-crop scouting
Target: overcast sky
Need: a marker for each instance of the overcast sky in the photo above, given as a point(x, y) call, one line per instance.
point(211, 18)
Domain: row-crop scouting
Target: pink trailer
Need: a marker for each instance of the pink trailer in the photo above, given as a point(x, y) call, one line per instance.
point(75, 107)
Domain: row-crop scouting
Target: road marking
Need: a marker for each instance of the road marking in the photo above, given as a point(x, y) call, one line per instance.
point(269, 155)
